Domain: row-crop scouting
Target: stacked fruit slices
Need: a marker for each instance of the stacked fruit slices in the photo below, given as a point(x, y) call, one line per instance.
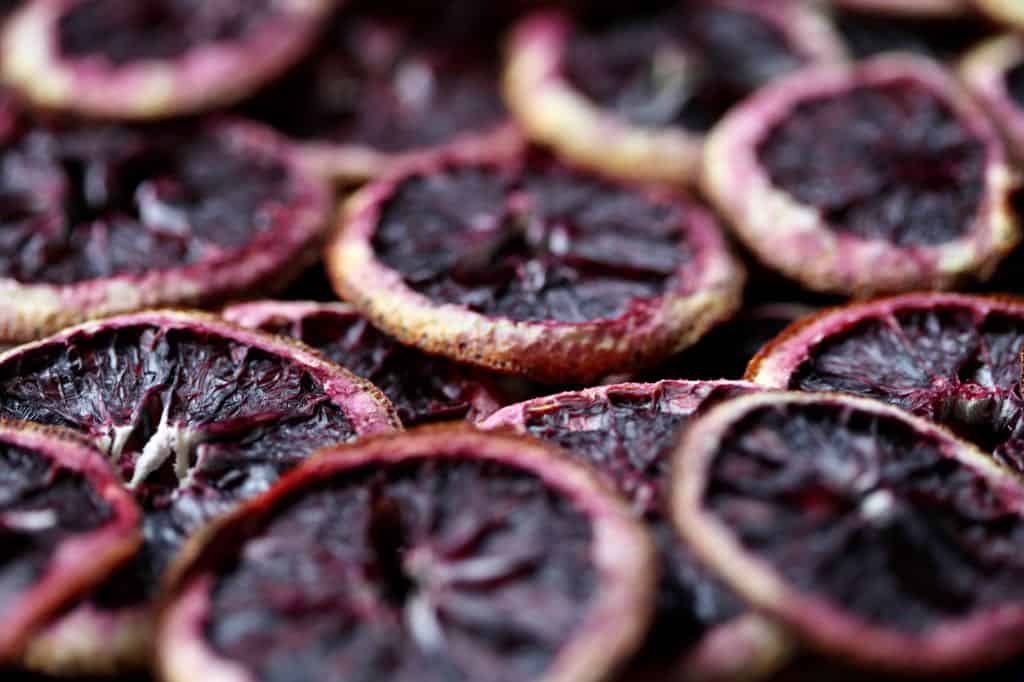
point(232, 497)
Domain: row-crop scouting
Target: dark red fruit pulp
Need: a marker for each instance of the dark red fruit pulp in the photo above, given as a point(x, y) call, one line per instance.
point(1015, 84)
point(95, 202)
point(380, 80)
point(426, 571)
point(422, 388)
point(123, 31)
point(888, 162)
point(530, 243)
point(869, 512)
point(41, 505)
point(678, 67)
point(630, 437)
point(953, 365)
point(241, 416)
point(867, 35)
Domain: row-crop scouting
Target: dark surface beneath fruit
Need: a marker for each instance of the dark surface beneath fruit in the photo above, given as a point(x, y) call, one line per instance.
point(42, 504)
point(950, 364)
point(868, 512)
point(124, 31)
point(888, 162)
point(83, 203)
point(868, 35)
point(1015, 84)
point(380, 80)
point(530, 243)
point(629, 437)
point(237, 417)
point(422, 388)
point(677, 67)
point(427, 570)
point(727, 349)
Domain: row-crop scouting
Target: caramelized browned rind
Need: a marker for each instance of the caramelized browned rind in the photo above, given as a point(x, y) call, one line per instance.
point(610, 631)
point(793, 238)
point(827, 627)
point(80, 562)
point(206, 78)
point(1008, 12)
point(543, 350)
point(553, 112)
point(30, 311)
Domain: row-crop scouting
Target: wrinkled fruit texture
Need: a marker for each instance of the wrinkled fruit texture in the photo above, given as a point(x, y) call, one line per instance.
point(678, 68)
point(952, 364)
point(868, 512)
point(532, 242)
point(83, 203)
point(42, 504)
point(889, 162)
point(193, 422)
point(379, 80)
point(629, 435)
point(125, 31)
point(424, 571)
point(423, 388)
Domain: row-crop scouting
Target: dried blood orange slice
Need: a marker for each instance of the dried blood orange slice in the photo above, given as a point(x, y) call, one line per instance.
point(136, 60)
point(380, 87)
point(443, 554)
point(522, 264)
point(195, 414)
point(994, 73)
point(726, 350)
point(874, 535)
point(107, 218)
point(423, 388)
point(701, 629)
point(876, 177)
point(1009, 12)
point(633, 96)
point(65, 524)
point(952, 358)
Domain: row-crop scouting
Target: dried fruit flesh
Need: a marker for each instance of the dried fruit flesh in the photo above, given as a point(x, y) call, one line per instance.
point(679, 68)
point(869, 532)
point(103, 218)
point(628, 432)
point(460, 556)
point(194, 414)
point(533, 243)
point(897, 164)
point(379, 86)
point(882, 176)
point(132, 60)
point(422, 388)
point(65, 523)
point(954, 359)
point(507, 261)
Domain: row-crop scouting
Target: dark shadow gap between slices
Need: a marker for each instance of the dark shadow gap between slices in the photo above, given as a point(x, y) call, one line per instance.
point(195, 415)
point(994, 73)
point(404, 557)
point(627, 432)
